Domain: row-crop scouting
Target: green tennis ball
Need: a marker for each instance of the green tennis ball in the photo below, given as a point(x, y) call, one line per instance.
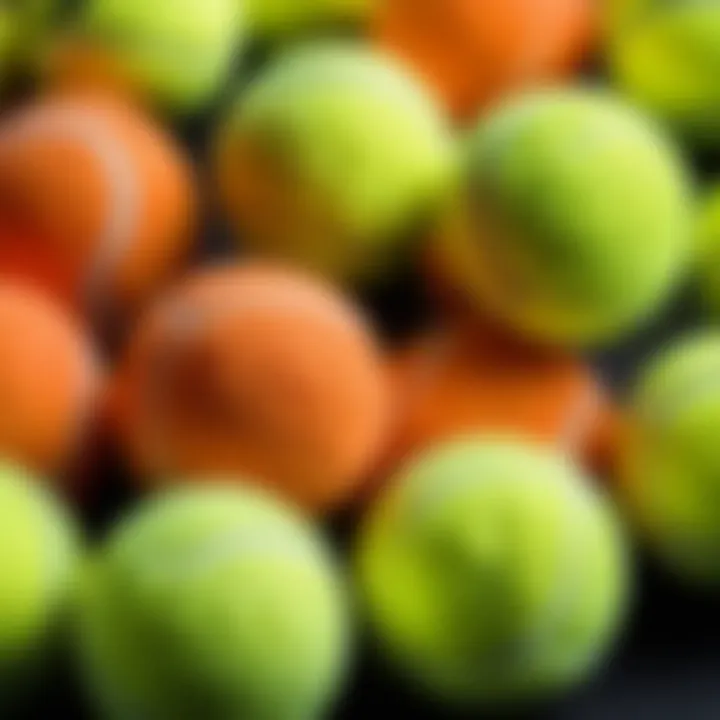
point(617, 14)
point(281, 19)
point(6, 41)
point(671, 457)
point(576, 219)
point(335, 160)
point(708, 250)
point(493, 572)
point(215, 603)
point(666, 56)
point(177, 54)
point(24, 28)
point(38, 556)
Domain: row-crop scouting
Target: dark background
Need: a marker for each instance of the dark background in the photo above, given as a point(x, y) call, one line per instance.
point(668, 663)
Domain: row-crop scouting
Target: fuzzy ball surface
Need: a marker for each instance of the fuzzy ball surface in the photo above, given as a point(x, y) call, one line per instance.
point(671, 460)
point(24, 31)
point(260, 371)
point(707, 249)
point(473, 52)
point(49, 382)
point(553, 235)
point(665, 56)
point(334, 159)
point(118, 226)
point(167, 53)
point(216, 603)
point(493, 573)
point(451, 384)
point(279, 20)
point(39, 550)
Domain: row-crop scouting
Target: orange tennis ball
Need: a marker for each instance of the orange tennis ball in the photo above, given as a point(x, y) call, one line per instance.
point(473, 52)
point(454, 384)
point(31, 261)
point(100, 190)
point(49, 380)
point(256, 371)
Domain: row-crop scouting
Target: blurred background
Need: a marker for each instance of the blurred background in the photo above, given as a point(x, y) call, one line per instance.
point(668, 661)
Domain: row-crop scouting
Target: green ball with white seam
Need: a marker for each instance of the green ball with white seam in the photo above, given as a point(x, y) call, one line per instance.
point(38, 560)
point(335, 160)
point(214, 602)
point(670, 460)
point(176, 54)
point(554, 237)
point(492, 572)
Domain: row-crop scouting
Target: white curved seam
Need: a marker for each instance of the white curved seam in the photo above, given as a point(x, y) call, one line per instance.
point(187, 319)
point(232, 545)
point(580, 421)
point(122, 183)
point(566, 589)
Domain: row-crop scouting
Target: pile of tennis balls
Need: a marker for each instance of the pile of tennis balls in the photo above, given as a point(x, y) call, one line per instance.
point(192, 319)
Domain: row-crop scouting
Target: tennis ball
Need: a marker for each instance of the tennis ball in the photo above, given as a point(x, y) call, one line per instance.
point(334, 160)
point(6, 40)
point(215, 603)
point(671, 460)
point(452, 384)
point(121, 222)
point(49, 382)
point(493, 573)
point(38, 557)
point(175, 55)
point(39, 270)
point(472, 52)
point(283, 19)
point(256, 371)
point(707, 256)
point(666, 57)
point(552, 236)
point(617, 13)
point(24, 29)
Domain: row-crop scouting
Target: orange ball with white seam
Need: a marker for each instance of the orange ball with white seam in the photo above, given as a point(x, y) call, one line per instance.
point(106, 195)
point(49, 381)
point(254, 371)
point(457, 382)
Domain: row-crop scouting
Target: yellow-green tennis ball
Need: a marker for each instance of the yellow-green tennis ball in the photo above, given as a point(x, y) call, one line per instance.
point(335, 160)
point(617, 14)
point(24, 27)
point(666, 56)
point(282, 19)
point(671, 458)
point(576, 219)
point(173, 53)
point(707, 258)
point(214, 603)
point(6, 42)
point(38, 557)
point(493, 572)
